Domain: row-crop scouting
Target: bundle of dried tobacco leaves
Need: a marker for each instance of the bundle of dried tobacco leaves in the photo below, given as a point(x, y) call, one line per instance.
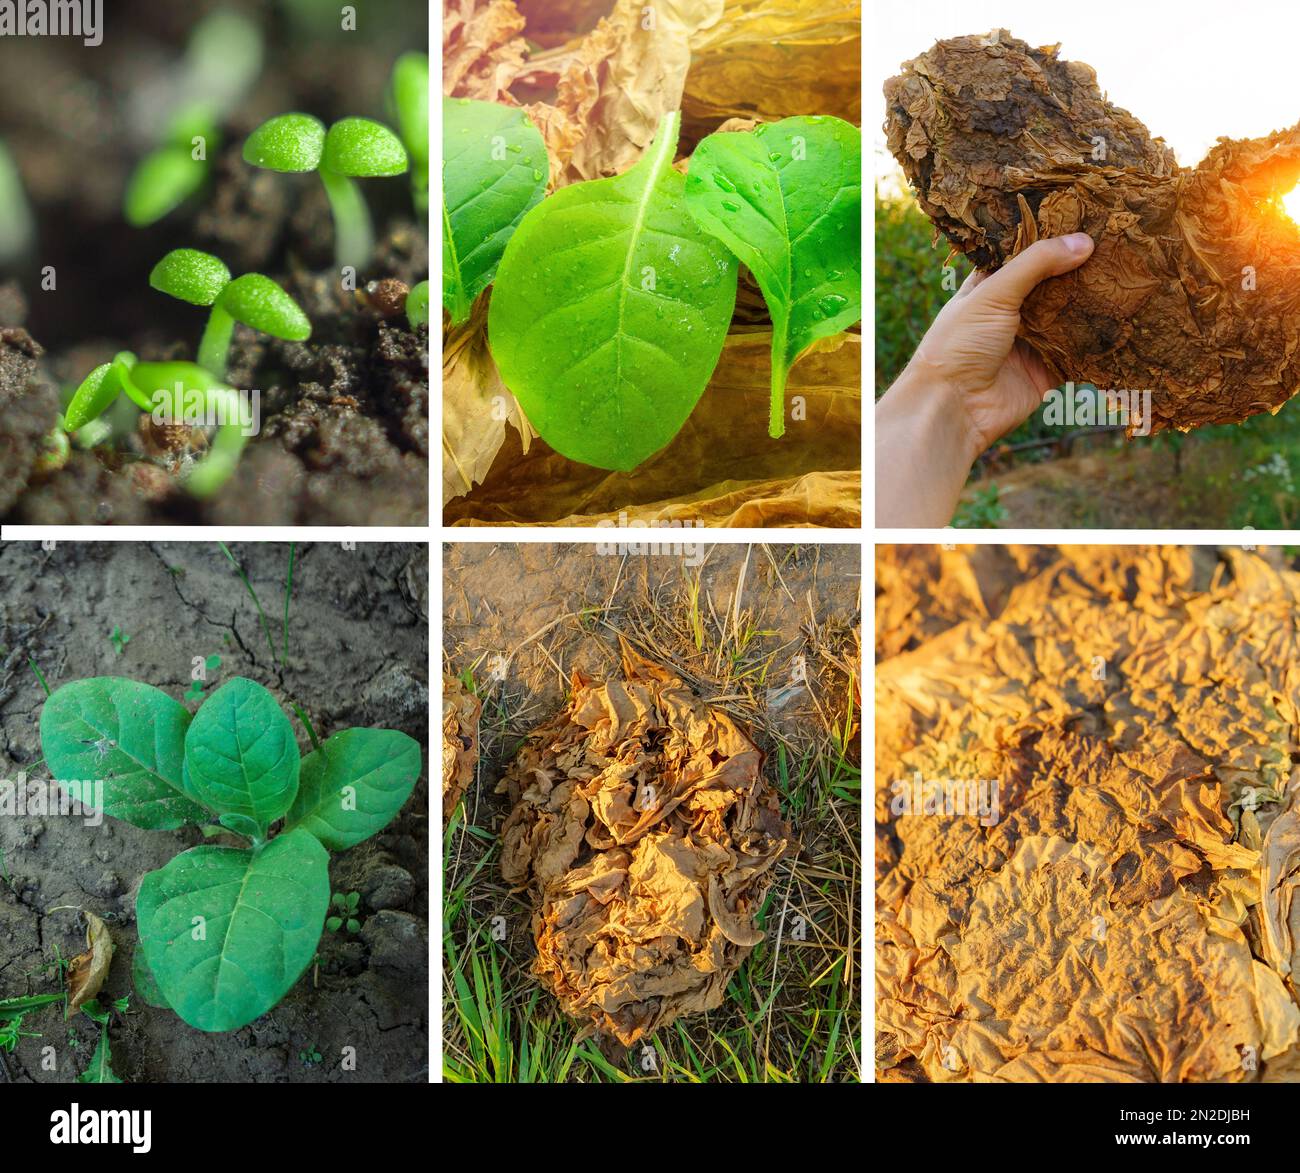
point(1193, 291)
point(646, 835)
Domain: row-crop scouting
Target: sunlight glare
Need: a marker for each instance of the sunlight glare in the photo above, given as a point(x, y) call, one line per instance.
point(1291, 204)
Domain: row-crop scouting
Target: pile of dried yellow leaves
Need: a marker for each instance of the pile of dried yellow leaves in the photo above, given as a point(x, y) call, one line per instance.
point(1088, 840)
point(603, 74)
point(646, 836)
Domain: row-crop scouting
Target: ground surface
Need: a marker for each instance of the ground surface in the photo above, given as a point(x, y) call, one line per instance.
point(538, 611)
point(357, 639)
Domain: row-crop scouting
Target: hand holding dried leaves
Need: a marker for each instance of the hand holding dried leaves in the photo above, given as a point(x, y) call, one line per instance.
point(646, 834)
point(1193, 291)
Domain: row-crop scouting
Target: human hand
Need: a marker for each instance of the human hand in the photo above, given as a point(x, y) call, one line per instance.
point(969, 382)
point(971, 348)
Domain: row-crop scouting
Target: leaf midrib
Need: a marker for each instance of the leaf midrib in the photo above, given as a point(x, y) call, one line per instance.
point(666, 144)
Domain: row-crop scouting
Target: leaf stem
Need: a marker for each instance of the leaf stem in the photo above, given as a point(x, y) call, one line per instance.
point(776, 415)
point(215, 469)
point(353, 237)
point(214, 349)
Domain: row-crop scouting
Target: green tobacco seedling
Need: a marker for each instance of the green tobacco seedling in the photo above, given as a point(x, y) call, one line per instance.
point(354, 148)
point(257, 301)
point(344, 907)
point(225, 932)
point(408, 104)
point(786, 198)
point(17, 226)
point(221, 64)
point(178, 387)
point(417, 305)
point(100, 388)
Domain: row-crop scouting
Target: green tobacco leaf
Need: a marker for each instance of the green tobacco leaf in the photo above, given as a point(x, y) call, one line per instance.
point(118, 745)
point(786, 198)
point(494, 169)
point(226, 933)
point(610, 310)
point(143, 980)
point(240, 754)
point(354, 785)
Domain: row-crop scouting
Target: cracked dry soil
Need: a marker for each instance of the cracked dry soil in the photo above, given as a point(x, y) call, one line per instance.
point(358, 637)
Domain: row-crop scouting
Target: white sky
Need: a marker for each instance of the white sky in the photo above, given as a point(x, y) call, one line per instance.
point(1191, 71)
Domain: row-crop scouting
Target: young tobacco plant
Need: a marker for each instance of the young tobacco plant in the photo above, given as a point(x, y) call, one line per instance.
point(408, 105)
point(222, 61)
point(610, 309)
point(417, 305)
point(171, 386)
point(353, 148)
point(201, 279)
point(17, 225)
point(494, 171)
point(786, 198)
point(225, 932)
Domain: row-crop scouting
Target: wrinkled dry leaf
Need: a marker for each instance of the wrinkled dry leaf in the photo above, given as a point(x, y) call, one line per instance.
point(476, 409)
point(722, 468)
point(481, 49)
point(552, 22)
point(1190, 290)
point(88, 971)
point(613, 85)
point(769, 59)
point(1109, 922)
point(460, 717)
point(1280, 879)
point(646, 835)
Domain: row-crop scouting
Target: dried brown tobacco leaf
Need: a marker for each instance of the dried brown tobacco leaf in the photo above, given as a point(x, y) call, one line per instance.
point(461, 710)
point(88, 971)
point(773, 58)
point(613, 85)
point(1126, 911)
point(481, 48)
point(476, 407)
point(1193, 291)
point(722, 468)
point(646, 835)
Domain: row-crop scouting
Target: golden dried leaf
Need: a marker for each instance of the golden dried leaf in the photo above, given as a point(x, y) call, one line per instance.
point(768, 59)
point(481, 48)
point(646, 835)
point(476, 408)
point(88, 971)
point(613, 85)
point(1109, 920)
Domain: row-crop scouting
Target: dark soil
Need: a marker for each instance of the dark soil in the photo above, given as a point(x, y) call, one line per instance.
point(344, 437)
point(358, 656)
